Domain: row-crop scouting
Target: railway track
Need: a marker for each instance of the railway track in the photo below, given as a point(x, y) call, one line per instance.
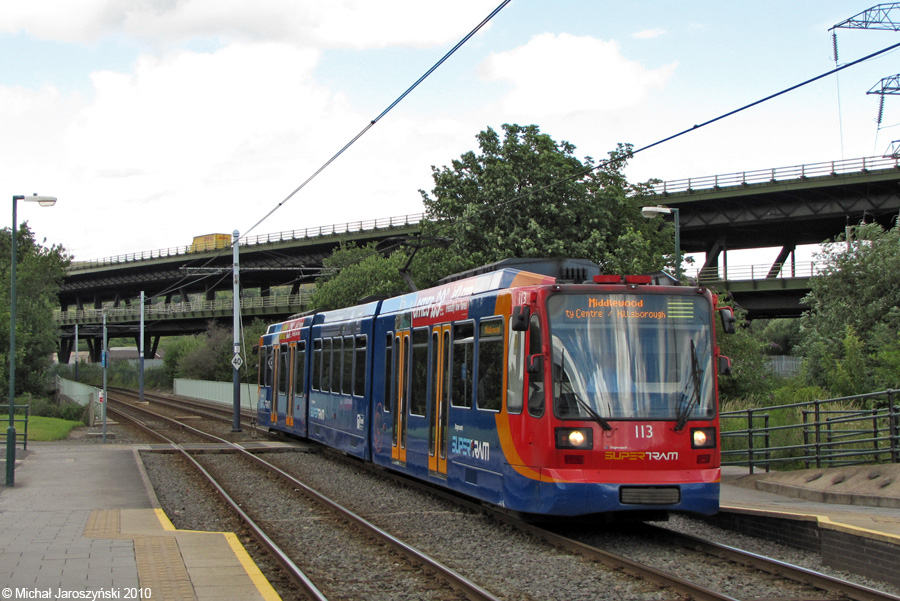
point(364, 546)
point(746, 575)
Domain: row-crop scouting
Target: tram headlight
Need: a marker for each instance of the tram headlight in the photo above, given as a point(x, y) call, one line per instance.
point(575, 438)
point(703, 438)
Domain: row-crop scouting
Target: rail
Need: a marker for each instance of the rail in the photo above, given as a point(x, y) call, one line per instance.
point(763, 271)
point(180, 310)
point(21, 436)
point(822, 433)
point(777, 174)
point(712, 182)
point(285, 236)
point(706, 277)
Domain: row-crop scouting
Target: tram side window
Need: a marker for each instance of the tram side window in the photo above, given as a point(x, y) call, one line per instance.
point(419, 372)
point(265, 367)
point(390, 371)
point(490, 364)
point(337, 356)
point(347, 355)
point(515, 370)
point(536, 379)
point(316, 377)
point(463, 364)
point(300, 369)
point(326, 365)
point(284, 369)
point(359, 367)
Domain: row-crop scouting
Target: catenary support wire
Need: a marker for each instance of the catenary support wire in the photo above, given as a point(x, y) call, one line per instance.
point(379, 117)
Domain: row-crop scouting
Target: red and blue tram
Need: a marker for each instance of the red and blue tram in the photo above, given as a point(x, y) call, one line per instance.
point(516, 388)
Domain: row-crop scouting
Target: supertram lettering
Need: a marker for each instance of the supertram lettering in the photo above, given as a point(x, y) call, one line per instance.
point(470, 448)
point(640, 456)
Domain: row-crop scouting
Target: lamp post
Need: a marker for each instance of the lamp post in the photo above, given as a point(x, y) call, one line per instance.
point(44, 201)
point(650, 213)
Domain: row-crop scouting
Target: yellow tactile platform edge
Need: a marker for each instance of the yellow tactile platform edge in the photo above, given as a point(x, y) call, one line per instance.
point(160, 562)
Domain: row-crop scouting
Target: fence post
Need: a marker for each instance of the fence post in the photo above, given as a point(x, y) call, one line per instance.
point(768, 442)
point(25, 437)
point(894, 427)
point(875, 432)
point(804, 413)
point(750, 439)
point(818, 445)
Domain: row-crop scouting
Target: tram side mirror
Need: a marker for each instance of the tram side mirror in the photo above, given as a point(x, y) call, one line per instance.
point(724, 366)
point(254, 350)
point(728, 320)
point(520, 317)
point(535, 364)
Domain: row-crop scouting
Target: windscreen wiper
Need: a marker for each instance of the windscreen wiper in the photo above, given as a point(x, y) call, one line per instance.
point(688, 407)
point(594, 415)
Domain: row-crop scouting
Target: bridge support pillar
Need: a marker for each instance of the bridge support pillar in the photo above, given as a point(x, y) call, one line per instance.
point(95, 349)
point(151, 345)
point(64, 350)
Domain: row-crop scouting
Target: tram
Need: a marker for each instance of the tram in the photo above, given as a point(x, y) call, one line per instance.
point(540, 386)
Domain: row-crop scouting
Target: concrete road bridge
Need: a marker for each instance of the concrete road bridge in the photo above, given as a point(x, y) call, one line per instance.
point(779, 207)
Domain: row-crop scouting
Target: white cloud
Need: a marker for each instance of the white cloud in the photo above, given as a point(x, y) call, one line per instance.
point(558, 74)
point(648, 34)
point(324, 23)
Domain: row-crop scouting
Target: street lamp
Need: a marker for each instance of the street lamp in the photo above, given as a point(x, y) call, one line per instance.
point(650, 213)
point(44, 201)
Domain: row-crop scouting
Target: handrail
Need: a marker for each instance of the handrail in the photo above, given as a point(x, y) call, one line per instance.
point(179, 309)
point(778, 174)
point(815, 433)
point(705, 277)
point(21, 436)
point(713, 182)
point(760, 271)
point(306, 233)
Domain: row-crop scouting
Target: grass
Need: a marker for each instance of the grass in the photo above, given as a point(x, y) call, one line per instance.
point(40, 428)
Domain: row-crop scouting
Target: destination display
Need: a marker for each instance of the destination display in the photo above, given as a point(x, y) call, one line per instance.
point(614, 307)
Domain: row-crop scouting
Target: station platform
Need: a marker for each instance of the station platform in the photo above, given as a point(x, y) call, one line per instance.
point(850, 515)
point(83, 517)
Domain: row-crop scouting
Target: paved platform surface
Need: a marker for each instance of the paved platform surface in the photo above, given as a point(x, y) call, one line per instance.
point(83, 517)
point(864, 500)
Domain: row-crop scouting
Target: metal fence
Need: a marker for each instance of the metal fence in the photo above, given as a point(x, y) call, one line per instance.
point(21, 433)
point(777, 174)
point(720, 273)
point(828, 433)
point(178, 310)
point(284, 236)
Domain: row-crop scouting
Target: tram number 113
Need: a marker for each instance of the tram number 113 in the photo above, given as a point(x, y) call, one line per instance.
point(643, 431)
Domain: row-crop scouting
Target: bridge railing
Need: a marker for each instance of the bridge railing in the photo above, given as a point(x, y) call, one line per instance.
point(711, 275)
point(743, 178)
point(300, 234)
point(777, 174)
point(180, 310)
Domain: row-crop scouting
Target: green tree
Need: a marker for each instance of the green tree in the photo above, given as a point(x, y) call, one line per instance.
point(209, 357)
point(353, 272)
point(175, 350)
point(526, 195)
point(853, 318)
point(39, 273)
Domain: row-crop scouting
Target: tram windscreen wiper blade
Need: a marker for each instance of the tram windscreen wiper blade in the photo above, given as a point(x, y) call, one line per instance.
point(594, 415)
point(688, 407)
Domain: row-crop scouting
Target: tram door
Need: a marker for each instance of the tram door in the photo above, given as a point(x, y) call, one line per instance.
point(282, 381)
point(403, 349)
point(440, 401)
point(289, 395)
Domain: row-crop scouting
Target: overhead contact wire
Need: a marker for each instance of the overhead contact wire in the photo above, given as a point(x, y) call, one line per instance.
point(381, 115)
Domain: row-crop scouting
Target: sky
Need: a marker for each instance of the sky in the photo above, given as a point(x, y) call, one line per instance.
point(160, 120)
